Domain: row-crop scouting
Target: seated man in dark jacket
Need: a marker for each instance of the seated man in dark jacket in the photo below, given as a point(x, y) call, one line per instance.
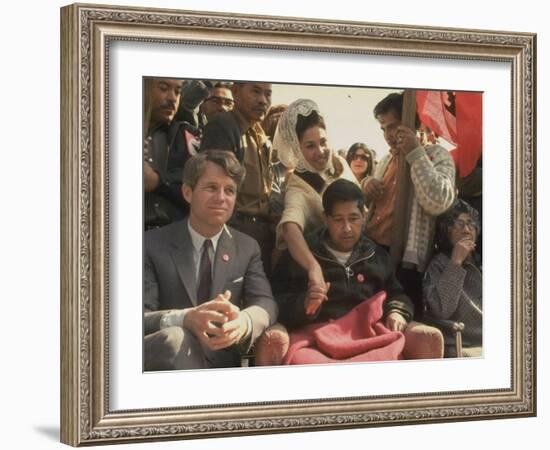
point(356, 268)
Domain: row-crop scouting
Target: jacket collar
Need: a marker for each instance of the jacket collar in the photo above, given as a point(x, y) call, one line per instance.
point(364, 248)
point(244, 125)
point(182, 255)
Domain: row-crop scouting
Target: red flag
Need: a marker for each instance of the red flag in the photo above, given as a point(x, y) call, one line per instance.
point(469, 116)
point(461, 125)
point(433, 112)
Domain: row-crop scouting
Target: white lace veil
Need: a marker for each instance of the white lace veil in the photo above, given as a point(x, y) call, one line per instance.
point(286, 140)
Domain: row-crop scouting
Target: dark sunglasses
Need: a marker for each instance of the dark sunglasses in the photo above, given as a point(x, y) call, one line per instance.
point(362, 157)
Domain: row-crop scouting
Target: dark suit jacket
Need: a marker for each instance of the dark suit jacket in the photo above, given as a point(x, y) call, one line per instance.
point(168, 153)
point(224, 133)
point(169, 280)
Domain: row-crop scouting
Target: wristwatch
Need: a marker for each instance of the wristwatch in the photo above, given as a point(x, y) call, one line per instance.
point(173, 318)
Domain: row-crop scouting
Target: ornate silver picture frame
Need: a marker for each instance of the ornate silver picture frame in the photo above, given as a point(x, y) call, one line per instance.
point(90, 411)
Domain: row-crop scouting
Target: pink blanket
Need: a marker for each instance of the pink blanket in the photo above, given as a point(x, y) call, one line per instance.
point(357, 336)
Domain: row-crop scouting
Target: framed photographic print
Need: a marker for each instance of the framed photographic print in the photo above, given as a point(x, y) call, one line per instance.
point(108, 53)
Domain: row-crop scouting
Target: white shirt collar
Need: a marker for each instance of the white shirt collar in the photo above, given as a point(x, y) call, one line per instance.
point(341, 257)
point(198, 239)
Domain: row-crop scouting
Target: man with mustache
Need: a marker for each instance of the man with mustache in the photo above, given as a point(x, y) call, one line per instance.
point(168, 145)
point(239, 131)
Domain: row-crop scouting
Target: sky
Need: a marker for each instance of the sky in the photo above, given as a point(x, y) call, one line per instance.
point(347, 112)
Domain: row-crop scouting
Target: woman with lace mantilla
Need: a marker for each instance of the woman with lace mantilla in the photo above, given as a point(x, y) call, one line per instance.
point(301, 139)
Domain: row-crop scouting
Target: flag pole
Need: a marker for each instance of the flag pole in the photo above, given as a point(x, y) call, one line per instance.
point(404, 186)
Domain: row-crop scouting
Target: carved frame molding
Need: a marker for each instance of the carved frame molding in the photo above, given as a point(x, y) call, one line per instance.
point(87, 32)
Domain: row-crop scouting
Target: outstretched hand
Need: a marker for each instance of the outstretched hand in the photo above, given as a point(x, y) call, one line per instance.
point(316, 295)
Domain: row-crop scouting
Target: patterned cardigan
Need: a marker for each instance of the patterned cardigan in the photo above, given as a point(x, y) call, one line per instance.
point(433, 178)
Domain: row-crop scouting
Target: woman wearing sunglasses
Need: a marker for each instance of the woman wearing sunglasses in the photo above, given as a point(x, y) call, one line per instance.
point(361, 161)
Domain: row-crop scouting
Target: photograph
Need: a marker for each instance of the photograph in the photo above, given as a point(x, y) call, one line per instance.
point(280, 227)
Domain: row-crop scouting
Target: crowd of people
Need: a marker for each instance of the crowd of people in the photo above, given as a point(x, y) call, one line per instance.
point(259, 237)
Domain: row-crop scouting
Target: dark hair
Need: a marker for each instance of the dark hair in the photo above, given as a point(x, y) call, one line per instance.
point(222, 84)
point(393, 103)
point(194, 167)
point(370, 156)
point(340, 191)
point(445, 220)
point(304, 123)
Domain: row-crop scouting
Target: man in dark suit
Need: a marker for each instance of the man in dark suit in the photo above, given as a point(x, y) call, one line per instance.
point(206, 297)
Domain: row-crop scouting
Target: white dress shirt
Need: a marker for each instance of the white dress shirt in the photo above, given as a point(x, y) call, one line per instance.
point(176, 317)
